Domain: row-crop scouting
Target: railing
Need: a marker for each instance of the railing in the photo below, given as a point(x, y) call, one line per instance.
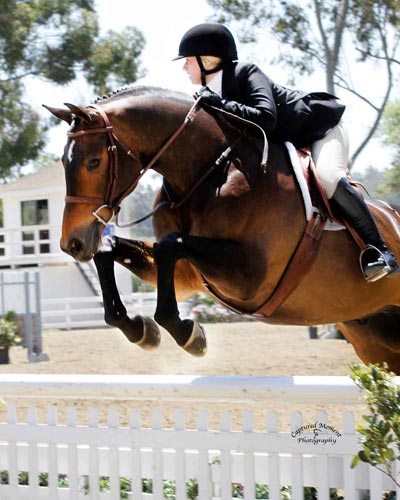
point(83, 312)
point(314, 454)
point(22, 244)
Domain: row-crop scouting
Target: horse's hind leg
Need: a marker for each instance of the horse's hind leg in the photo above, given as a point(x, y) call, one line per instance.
point(376, 338)
point(187, 333)
point(143, 331)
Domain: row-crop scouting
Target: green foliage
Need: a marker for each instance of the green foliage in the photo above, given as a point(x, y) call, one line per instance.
point(380, 436)
point(55, 41)
point(169, 488)
point(8, 331)
point(310, 34)
point(369, 17)
point(108, 67)
point(390, 133)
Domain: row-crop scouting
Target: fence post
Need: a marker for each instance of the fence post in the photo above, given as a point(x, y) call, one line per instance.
point(3, 307)
point(38, 354)
point(27, 316)
point(38, 322)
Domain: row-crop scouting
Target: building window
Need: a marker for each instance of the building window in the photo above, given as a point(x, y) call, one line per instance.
point(35, 240)
point(34, 212)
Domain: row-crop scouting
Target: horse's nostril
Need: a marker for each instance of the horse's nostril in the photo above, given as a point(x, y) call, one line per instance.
point(75, 246)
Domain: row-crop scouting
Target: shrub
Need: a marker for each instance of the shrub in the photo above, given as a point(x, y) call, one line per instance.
point(8, 333)
point(380, 438)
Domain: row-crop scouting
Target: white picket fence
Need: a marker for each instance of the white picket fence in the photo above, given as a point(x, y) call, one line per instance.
point(297, 457)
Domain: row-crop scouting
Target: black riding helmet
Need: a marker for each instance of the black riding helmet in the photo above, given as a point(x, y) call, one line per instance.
point(208, 39)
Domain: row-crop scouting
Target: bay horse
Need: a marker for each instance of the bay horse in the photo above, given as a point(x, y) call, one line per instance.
point(222, 224)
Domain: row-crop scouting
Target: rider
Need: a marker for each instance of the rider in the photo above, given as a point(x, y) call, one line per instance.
point(312, 119)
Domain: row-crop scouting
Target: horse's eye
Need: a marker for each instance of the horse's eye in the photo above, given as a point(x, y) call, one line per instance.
point(93, 164)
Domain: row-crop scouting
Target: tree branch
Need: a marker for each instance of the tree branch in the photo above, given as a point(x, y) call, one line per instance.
point(384, 102)
point(18, 77)
point(341, 82)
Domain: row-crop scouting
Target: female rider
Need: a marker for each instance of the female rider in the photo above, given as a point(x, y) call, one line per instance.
point(303, 119)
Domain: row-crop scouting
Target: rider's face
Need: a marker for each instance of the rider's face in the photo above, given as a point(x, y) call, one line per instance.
point(192, 68)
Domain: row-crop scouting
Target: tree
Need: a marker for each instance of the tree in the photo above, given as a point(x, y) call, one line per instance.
point(390, 134)
point(55, 41)
point(312, 35)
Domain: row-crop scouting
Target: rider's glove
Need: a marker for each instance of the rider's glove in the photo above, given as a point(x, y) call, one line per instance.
point(211, 98)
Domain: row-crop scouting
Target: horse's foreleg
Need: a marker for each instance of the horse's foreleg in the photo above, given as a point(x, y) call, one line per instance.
point(187, 333)
point(141, 330)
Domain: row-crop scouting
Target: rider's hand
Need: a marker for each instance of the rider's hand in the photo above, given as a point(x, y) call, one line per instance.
point(211, 98)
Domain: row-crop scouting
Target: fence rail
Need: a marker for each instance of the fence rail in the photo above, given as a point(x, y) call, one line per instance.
point(88, 312)
point(82, 312)
point(215, 458)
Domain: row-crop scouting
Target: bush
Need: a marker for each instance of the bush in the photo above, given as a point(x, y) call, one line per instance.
point(8, 333)
point(380, 438)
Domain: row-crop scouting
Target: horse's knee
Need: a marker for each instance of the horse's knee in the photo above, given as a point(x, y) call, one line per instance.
point(169, 249)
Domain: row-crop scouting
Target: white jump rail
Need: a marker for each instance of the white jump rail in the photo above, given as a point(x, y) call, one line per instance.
point(294, 389)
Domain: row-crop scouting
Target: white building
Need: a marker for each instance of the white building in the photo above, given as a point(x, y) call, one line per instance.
point(32, 209)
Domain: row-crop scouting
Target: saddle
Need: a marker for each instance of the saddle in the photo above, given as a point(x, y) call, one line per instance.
point(314, 195)
point(319, 217)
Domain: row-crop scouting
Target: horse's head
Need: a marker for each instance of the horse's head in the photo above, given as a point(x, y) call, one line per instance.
point(93, 188)
point(139, 125)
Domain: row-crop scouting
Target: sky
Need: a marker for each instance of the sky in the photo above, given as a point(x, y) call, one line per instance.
point(163, 23)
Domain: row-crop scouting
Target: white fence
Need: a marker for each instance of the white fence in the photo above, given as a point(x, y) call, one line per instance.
point(88, 312)
point(309, 454)
point(82, 312)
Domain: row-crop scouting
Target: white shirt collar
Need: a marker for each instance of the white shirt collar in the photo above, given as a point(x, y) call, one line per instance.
point(215, 84)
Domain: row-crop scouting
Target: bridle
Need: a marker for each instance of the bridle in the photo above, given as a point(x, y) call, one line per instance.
point(112, 201)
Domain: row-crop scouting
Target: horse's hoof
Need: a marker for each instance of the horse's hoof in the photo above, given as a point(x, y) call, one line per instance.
point(151, 335)
point(197, 343)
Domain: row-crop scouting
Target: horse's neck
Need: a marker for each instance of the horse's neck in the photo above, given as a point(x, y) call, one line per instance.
point(191, 154)
point(188, 156)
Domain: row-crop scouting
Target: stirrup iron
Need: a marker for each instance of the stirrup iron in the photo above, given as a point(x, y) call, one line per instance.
point(369, 255)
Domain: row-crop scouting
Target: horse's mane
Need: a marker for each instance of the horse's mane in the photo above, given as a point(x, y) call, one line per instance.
point(143, 90)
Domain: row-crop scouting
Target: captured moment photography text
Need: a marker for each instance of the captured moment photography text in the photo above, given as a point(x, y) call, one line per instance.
point(316, 433)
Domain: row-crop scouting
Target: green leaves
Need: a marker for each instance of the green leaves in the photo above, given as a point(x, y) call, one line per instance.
point(380, 436)
point(390, 134)
point(114, 60)
point(54, 40)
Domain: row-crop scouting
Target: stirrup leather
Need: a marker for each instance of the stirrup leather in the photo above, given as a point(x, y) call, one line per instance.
point(369, 255)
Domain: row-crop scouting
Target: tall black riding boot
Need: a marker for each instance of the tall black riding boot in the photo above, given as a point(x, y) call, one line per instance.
point(376, 259)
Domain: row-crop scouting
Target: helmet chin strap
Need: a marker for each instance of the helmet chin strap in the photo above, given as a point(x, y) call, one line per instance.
point(205, 72)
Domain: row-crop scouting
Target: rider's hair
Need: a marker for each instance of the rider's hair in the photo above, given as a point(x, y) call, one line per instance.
point(210, 62)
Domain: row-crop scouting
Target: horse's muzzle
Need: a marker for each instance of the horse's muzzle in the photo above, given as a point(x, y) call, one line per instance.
point(78, 249)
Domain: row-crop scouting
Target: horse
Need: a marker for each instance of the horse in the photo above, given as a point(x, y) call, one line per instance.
point(222, 224)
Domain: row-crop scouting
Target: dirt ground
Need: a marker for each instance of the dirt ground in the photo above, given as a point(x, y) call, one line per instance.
point(233, 349)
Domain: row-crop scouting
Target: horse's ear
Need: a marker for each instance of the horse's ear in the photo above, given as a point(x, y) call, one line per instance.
point(61, 113)
point(88, 115)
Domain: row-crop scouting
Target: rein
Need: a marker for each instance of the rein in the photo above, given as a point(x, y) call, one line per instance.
point(110, 201)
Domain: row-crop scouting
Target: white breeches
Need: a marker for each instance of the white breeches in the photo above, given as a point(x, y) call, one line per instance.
point(331, 157)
